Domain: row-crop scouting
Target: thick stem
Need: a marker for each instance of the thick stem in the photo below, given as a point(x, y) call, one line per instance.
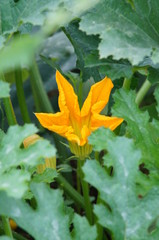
point(16, 236)
point(6, 227)
point(71, 191)
point(8, 107)
point(38, 86)
point(9, 111)
point(36, 101)
point(85, 190)
point(127, 83)
point(21, 96)
point(142, 92)
point(78, 184)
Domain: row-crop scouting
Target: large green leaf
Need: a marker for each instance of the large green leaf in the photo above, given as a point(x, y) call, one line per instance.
point(83, 231)
point(109, 67)
point(47, 176)
point(88, 58)
point(50, 14)
point(19, 51)
point(156, 93)
point(144, 132)
point(100, 144)
point(48, 221)
point(9, 183)
point(12, 179)
point(50, 218)
point(83, 45)
point(127, 215)
point(14, 13)
point(126, 31)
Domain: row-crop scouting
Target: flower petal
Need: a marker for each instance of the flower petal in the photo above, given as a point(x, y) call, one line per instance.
point(85, 132)
point(58, 122)
point(97, 97)
point(49, 119)
point(67, 97)
point(72, 137)
point(98, 120)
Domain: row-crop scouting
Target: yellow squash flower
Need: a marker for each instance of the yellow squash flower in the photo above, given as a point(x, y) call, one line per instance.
point(75, 124)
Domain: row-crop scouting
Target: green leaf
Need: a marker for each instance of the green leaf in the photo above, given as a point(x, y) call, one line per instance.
point(144, 132)
point(12, 156)
point(151, 110)
point(83, 230)
point(37, 12)
point(97, 139)
point(126, 31)
point(156, 93)
point(113, 221)
point(83, 45)
point(88, 58)
point(153, 75)
point(22, 11)
point(126, 215)
point(47, 176)
point(8, 182)
point(19, 51)
point(48, 221)
point(4, 89)
point(50, 218)
point(109, 67)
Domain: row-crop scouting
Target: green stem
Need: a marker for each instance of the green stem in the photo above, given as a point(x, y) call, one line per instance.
point(8, 107)
point(6, 226)
point(127, 83)
point(16, 236)
point(85, 190)
point(36, 101)
point(71, 191)
point(97, 156)
point(100, 231)
point(9, 111)
point(38, 86)
point(78, 184)
point(21, 96)
point(142, 92)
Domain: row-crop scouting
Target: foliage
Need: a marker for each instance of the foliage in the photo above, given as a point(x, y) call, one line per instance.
point(139, 127)
point(114, 193)
point(20, 15)
point(131, 34)
point(127, 215)
point(47, 220)
point(13, 157)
